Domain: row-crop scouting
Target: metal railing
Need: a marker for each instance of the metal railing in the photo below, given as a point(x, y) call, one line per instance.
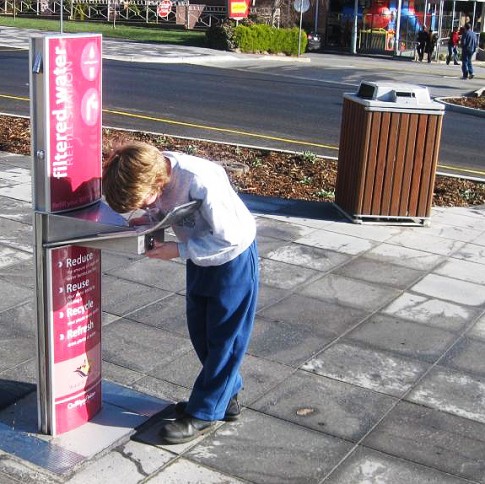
point(124, 11)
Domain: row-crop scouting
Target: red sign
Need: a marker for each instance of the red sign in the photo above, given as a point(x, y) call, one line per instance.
point(75, 335)
point(164, 8)
point(238, 9)
point(73, 68)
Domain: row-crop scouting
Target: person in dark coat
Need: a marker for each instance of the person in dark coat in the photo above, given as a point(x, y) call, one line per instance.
point(430, 45)
point(422, 40)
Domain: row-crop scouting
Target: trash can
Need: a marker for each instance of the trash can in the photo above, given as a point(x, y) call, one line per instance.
point(389, 144)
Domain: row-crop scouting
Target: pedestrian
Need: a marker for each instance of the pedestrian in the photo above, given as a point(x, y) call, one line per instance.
point(468, 47)
point(218, 244)
point(430, 45)
point(422, 41)
point(453, 47)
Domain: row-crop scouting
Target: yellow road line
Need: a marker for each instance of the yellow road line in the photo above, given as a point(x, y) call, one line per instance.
point(242, 133)
point(462, 170)
point(17, 98)
point(203, 127)
point(220, 130)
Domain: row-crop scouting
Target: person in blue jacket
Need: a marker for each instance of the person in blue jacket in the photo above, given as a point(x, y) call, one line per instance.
point(218, 243)
point(469, 43)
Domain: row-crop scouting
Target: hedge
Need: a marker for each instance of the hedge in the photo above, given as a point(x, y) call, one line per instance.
point(256, 38)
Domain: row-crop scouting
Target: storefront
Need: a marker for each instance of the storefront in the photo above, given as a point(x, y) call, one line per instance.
point(391, 26)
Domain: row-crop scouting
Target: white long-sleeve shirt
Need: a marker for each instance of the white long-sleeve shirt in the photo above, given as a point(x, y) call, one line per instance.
point(222, 227)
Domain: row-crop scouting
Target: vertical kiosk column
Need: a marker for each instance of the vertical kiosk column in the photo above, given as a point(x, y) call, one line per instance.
point(66, 104)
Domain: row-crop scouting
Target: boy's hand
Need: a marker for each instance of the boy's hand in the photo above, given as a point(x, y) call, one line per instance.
point(164, 251)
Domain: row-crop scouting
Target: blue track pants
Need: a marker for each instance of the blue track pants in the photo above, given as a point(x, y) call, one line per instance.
point(221, 305)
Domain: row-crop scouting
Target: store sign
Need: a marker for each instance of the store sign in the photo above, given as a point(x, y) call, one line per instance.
point(73, 68)
point(74, 330)
point(238, 9)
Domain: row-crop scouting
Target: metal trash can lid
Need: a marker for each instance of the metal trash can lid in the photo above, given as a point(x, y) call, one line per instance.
point(392, 96)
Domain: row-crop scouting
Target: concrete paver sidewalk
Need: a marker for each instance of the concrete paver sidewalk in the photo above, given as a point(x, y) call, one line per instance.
point(366, 363)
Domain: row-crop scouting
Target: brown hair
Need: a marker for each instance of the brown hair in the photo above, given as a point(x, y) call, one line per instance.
point(133, 172)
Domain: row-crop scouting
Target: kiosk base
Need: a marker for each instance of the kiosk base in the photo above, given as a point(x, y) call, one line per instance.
point(123, 411)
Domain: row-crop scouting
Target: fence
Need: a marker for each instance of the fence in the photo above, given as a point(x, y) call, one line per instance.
point(125, 11)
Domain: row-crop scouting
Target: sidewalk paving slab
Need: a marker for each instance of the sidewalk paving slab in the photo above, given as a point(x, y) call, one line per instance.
point(366, 363)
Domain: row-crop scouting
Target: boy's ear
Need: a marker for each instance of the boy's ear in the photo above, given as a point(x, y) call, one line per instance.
point(168, 166)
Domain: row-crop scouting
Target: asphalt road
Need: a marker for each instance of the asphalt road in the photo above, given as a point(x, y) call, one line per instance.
point(295, 107)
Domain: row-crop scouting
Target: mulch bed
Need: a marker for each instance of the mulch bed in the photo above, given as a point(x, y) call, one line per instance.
point(303, 176)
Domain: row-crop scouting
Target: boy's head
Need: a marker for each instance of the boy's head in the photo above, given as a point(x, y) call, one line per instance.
point(134, 173)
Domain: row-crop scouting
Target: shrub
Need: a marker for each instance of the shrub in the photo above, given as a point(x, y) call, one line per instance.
point(255, 38)
point(251, 37)
point(263, 38)
point(221, 37)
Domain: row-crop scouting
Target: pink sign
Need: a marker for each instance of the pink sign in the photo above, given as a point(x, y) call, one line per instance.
point(75, 333)
point(74, 120)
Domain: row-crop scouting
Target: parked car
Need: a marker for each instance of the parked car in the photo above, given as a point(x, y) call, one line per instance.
point(314, 41)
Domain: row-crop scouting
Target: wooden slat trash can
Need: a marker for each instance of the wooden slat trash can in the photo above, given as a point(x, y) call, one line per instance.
point(389, 144)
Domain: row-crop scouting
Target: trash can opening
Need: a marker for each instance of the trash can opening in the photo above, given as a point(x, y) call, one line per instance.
point(394, 92)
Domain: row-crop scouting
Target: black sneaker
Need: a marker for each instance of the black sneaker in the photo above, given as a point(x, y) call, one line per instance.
point(471, 76)
point(233, 410)
point(184, 429)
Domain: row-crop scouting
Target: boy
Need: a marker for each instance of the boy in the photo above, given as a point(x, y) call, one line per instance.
point(219, 246)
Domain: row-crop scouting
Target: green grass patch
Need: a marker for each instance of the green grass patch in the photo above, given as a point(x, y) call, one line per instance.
point(143, 33)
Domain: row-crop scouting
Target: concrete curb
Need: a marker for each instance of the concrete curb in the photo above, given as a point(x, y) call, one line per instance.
point(198, 58)
point(191, 59)
point(460, 109)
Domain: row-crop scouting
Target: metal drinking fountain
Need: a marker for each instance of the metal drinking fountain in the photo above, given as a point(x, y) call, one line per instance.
point(72, 224)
